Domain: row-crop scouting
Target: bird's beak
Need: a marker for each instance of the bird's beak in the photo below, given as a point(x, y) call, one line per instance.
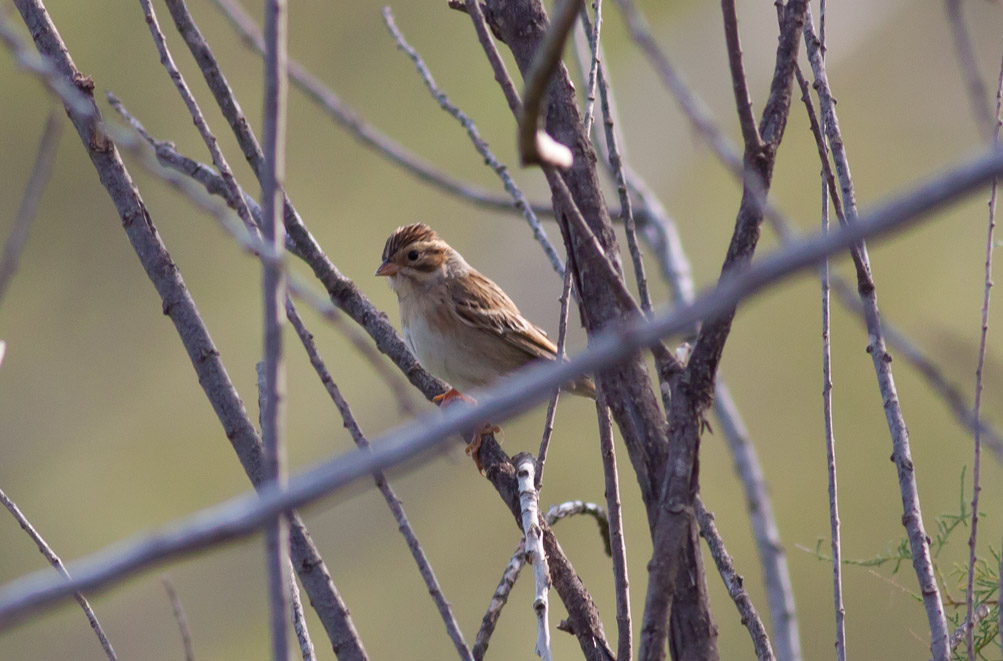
point(388, 268)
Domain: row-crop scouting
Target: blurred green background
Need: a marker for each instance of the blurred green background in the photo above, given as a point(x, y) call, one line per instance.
point(105, 431)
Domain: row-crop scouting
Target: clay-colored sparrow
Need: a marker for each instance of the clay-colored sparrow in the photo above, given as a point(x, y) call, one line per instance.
point(460, 325)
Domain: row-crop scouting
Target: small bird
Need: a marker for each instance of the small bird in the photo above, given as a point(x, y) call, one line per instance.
point(459, 324)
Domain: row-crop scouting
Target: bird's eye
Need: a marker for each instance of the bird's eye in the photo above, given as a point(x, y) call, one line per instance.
point(413, 255)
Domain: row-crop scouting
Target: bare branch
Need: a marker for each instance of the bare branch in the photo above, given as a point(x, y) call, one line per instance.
point(307, 650)
point(977, 461)
point(618, 547)
point(55, 561)
point(243, 515)
point(674, 531)
point(615, 160)
point(743, 102)
point(830, 437)
point(498, 600)
point(274, 293)
point(525, 467)
point(590, 90)
point(548, 425)
point(733, 582)
point(41, 170)
point(179, 617)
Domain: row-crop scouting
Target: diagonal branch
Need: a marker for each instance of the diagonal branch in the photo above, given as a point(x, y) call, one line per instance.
point(56, 561)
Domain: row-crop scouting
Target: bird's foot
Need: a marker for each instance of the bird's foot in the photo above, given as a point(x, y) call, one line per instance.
point(474, 446)
point(452, 395)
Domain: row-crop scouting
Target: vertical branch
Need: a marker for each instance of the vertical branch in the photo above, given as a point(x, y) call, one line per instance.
point(830, 439)
point(274, 288)
point(624, 643)
point(39, 177)
point(619, 172)
point(525, 467)
point(976, 486)
point(590, 90)
point(912, 517)
point(55, 561)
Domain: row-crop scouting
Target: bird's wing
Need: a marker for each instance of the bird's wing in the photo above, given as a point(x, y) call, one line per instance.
point(482, 304)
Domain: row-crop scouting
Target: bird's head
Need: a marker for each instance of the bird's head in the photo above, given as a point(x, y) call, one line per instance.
point(415, 255)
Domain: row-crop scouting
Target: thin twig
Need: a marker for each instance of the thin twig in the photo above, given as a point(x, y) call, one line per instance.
point(41, 170)
point(396, 508)
point(621, 582)
point(307, 650)
point(548, 424)
point(977, 461)
point(525, 467)
point(479, 144)
point(977, 97)
point(568, 508)
point(912, 517)
point(179, 617)
point(733, 582)
point(247, 513)
point(740, 86)
point(590, 90)
point(959, 634)
point(535, 145)
point(830, 439)
point(616, 163)
point(55, 561)
point(498, 600)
